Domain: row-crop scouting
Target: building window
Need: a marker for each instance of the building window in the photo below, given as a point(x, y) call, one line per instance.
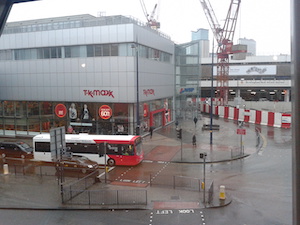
point(6, 55)
point(90, 52)
point(114, 50)
point(106, 50)
point(98, 50)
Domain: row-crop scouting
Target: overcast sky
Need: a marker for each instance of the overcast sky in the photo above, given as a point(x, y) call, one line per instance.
point(265, 21)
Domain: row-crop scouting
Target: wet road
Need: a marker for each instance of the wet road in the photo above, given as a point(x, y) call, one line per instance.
point(259, 185)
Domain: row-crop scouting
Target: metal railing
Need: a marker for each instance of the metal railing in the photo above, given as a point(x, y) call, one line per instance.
point(69, 191)
point(106, 197)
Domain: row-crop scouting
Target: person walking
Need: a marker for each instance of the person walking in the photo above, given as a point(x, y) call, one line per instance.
point(151, 132)
point(194, 140)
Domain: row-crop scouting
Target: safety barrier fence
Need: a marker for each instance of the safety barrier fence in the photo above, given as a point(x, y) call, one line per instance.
point(105, 197)
point(71, 190)
point(77, 193)
point(273, 119)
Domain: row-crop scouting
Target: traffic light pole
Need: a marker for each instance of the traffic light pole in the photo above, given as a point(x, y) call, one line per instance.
point(179, 136)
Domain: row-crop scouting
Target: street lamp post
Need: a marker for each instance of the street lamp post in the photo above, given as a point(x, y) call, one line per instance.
point(135, 46)
point(211, 94)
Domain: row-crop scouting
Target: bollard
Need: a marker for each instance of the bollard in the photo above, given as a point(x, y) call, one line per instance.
point(202, 185)
point(222, 195)
point(5, 169)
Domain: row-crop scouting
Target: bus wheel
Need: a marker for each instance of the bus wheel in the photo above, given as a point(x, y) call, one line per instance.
point(111, 162)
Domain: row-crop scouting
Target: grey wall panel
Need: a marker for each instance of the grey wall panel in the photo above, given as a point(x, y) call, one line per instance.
point(39, 67)
point(26, 67)
point(33, 80)
point(47, 93)
point(46, 79)
point(66, 37)
point(123, 79)
point(40, 79)
point(124, 93)
point(38, 39)
point(98, 79)
point(59, 38)
point(106, 79)
point(114, 64)
point(45, 39)
point(90, 79)
point(55, 95)
point(27, 94)
point(46, 65)
point(105, 62)
point(81, 34)
point(89, 64)
point(5, 42)
point(88, 35)
point(82, 79)
point(74, 36)
point(113, 34)
point(104, 34)
point(25, 40)
point(60, 79)
point(95, 35)
point(98, 65)
point(75, 80)
point(68, 78)
point(74, 65)
point(59, 66)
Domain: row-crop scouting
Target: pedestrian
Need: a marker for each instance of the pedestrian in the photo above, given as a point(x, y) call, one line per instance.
point(194, 140)
point(151, 132)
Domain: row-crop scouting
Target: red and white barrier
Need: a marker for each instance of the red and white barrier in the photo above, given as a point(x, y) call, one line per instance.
point(272, 119)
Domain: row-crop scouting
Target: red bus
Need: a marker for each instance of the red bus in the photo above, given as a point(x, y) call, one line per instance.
point(125, 150)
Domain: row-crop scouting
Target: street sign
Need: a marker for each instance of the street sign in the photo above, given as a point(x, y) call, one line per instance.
point(57, 142)
point(241, 131)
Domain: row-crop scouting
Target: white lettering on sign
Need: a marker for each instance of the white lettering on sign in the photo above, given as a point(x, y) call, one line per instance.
point(105, 113)
point(93, 93)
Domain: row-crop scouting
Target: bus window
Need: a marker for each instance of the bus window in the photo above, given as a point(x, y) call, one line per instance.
point(127, 149)
point(113, 149)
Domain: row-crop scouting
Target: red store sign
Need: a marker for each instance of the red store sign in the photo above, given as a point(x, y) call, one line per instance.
point(60, 110)
point(105, 112)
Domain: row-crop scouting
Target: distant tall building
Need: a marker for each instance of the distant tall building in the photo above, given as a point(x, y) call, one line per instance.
point(251, 45)
point(202, 35)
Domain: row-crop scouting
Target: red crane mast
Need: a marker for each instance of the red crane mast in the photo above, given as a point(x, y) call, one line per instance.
point(224, 37)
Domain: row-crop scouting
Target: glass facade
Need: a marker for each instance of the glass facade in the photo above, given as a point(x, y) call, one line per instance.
point(83, 51)
point(31, 117)
point(187, 63)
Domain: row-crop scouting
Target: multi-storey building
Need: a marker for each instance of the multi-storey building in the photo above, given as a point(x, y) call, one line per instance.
point(86, 73)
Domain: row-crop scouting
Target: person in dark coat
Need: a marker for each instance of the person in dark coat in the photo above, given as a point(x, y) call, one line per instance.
point(151, 131)
point(194, 140)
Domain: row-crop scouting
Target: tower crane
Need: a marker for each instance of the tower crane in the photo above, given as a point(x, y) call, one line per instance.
point(151, 21)
point(224, 37)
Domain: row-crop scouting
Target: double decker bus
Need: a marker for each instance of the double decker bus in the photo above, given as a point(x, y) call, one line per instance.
point(123, 150)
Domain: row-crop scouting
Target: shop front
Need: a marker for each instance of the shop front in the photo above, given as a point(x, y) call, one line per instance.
point(26, 118)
